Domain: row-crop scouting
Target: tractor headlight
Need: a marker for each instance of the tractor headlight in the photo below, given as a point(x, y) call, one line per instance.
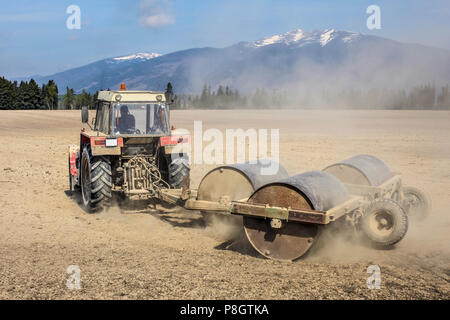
point(118, 97)
point(159, 98)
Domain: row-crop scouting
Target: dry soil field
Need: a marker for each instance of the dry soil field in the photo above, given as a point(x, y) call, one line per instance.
point(43, 229)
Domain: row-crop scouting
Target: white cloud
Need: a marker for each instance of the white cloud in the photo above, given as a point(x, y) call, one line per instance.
point(155, 14)
point(156, 20)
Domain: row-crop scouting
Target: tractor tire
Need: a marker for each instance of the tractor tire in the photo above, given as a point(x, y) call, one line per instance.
point(96, 181)
point(178, 168)
point(416, 203)
point(384, 223)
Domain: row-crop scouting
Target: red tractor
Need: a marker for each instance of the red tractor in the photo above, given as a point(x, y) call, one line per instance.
point(129, 149)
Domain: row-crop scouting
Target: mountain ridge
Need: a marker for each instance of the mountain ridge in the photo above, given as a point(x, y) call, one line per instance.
point(293, 59)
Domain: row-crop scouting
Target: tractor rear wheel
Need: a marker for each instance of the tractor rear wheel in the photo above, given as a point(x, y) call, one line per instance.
point(96, 181)
point(178, 168)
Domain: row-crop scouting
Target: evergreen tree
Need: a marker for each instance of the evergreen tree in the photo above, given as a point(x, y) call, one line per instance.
point(7, 89)
point(443, 99)
point(52, 95)
point(34, 101)
point(69, 99)
point(221, 99)
point(220, 92)
point(94, 100)
point(78, 102)
point(45, 96)
point(15, 95)
point(85, 99)
point(169, 93)
point(204, 97)
point(23, 95)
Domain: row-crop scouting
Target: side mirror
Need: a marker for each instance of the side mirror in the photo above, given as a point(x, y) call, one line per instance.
point(84, 115)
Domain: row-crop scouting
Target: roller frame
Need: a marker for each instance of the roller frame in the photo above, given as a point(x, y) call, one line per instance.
point(361, 196)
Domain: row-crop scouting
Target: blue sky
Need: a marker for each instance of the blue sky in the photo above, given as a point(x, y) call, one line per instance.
point(34, 38)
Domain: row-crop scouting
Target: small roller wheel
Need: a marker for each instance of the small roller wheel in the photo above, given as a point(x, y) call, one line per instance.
point(384, 223)
point(415, 203)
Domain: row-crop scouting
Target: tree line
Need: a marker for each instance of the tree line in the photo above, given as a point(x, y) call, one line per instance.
point(29, 95)
point(425, 96)
point(70, 100)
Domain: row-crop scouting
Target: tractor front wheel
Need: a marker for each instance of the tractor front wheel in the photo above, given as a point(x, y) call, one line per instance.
point(96, 181)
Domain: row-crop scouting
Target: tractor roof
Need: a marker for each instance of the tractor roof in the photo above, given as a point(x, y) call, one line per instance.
point(131, 96)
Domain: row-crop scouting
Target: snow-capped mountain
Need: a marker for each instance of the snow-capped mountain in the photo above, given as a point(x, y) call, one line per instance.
point(301, 38)
point(137, 57)
point(296, 60)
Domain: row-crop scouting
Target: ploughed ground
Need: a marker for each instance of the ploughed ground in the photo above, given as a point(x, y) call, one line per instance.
point(123, 255)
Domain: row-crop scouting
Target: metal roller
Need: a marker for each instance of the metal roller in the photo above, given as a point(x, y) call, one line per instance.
point(362, 169)
point(238, 181)
point(315, 190)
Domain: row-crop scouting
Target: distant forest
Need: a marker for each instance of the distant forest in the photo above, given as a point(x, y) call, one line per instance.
point(29, 95)
point(419, 97)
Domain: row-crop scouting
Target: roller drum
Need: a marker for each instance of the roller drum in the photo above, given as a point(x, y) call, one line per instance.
point(361, 170)
point(316, 190)
point(238, 181)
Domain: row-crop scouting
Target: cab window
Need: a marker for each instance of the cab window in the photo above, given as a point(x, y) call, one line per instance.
point(102, 119)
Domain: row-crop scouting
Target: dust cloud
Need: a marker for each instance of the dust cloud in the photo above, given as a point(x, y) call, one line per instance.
point(224, 228)
point(372, 73)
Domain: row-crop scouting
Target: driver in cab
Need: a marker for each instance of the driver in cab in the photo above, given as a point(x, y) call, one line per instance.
point(127, 121)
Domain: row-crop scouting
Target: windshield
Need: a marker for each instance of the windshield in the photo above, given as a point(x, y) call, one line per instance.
point(140, 118)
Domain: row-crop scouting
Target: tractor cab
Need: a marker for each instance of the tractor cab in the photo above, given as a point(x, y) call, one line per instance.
point(132, 113)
